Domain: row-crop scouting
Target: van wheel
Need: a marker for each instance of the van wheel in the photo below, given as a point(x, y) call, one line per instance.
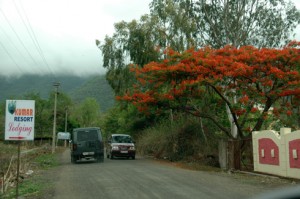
point(100, 159)
point(111, 156)
point(73, 160)
point(133, 157)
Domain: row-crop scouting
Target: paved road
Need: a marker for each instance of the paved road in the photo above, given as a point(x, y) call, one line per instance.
point(143, 179)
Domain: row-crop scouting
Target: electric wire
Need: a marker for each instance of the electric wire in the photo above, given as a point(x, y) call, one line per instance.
point(11, 57)
point(13, 44)
point(19, 39)
point(25, 25)
point(32, 35)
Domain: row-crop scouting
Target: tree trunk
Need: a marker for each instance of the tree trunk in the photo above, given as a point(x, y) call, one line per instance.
point(234, 155)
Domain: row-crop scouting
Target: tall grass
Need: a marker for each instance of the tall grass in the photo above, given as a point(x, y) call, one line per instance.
point(180, 139)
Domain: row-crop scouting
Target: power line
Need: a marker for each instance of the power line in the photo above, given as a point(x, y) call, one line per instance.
point(32, 35)
point(18, 37)
point(11, 57)
point(13, 44)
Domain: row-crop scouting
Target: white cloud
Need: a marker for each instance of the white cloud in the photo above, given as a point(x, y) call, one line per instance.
point(66, 31)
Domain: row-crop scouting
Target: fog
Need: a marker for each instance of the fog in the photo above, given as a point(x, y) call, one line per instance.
point(58, 36)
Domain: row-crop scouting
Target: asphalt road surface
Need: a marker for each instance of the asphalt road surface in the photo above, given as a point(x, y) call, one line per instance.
point(143, 179)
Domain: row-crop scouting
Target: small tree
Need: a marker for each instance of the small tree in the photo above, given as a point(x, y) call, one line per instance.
point(87, 113)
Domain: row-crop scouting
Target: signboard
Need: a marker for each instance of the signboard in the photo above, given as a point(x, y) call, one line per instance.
point(19, 120)
point(63, 136)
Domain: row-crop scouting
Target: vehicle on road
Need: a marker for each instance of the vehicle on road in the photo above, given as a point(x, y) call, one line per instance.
point(120, 145)
point(87, 144)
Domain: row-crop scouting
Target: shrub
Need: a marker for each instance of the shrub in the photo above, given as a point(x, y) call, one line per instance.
point(180, 140)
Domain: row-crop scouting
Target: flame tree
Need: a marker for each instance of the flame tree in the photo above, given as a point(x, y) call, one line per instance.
point(257, 78)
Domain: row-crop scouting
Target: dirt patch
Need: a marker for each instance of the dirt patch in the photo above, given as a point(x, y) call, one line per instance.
point(46, 178)
point(37, 174)
point(244, 177)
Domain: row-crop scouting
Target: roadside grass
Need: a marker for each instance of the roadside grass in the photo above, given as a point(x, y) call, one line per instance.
point(46, 161)
point(32, 186)
point(27, 189)
point(180, 141)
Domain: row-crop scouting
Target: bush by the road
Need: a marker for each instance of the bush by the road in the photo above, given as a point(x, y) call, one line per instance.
point(185, 139)
point(32, 159)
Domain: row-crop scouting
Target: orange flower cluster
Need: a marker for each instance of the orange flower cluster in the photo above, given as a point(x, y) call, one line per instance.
point(248, 73)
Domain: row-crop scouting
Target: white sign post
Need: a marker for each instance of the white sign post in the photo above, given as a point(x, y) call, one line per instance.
point(19, 125)
point(19, 120)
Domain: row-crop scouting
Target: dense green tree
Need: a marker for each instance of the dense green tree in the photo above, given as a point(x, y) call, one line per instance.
point(258, 78)
point(257, 22)
point(182, 24)
point(261, 23)
point(64, 102)
point(43, 111)
point(176, 23)
point(125, 118)
point(133, 42)
point(86, 113)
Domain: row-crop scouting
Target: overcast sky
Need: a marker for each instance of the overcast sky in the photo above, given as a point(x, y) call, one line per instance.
point(59, 35)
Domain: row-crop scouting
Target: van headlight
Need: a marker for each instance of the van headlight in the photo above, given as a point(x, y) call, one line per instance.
point(115, 148)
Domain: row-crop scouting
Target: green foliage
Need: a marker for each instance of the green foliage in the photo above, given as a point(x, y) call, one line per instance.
point(32, 186)
point(81, 90)
point(86, 113)
point(261, 23)
point(46, 161)
point(184, 24)
point(64, 103)
point(124, 119)
point(15, 87)
point(180, 139)
point(176, 24)
point(43, 111)
point(78, 88)
point(95, 87)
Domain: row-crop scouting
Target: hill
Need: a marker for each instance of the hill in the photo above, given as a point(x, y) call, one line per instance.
point(78, 88)
point(96, 87)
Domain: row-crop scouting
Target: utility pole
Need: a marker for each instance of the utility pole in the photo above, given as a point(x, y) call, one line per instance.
point(56, 85)
point(66, 123)
point(66, 120)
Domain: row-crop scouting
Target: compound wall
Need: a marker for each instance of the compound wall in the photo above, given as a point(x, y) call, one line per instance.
point(277, 153)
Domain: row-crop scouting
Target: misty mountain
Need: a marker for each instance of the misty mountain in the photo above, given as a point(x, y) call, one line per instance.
point(96, 87)
point(78, 88)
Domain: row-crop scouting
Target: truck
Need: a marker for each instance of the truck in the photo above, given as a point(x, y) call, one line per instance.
point(87, 144)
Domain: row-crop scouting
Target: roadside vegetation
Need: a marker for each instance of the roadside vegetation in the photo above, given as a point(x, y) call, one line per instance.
point(186, 76)
point(185, 139)
point(32, 162)
point(230, 65)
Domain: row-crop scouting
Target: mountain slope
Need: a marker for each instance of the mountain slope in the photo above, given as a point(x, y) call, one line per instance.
point(98, 88)
point(78, 88)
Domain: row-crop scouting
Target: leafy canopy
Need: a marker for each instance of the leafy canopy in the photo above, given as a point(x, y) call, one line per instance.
point(257, 78)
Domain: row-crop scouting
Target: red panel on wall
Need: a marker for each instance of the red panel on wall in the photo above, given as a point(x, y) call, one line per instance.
point(265, 157)
point(294, 146)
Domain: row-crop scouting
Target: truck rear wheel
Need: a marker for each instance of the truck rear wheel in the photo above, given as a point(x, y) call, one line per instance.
point(73, 159)
point(100, 159)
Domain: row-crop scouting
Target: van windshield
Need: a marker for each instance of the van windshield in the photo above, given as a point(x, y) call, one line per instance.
point(87, 135)
point(121, 139)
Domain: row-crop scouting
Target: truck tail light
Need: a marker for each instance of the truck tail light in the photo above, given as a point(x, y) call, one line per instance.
point(74, 147)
